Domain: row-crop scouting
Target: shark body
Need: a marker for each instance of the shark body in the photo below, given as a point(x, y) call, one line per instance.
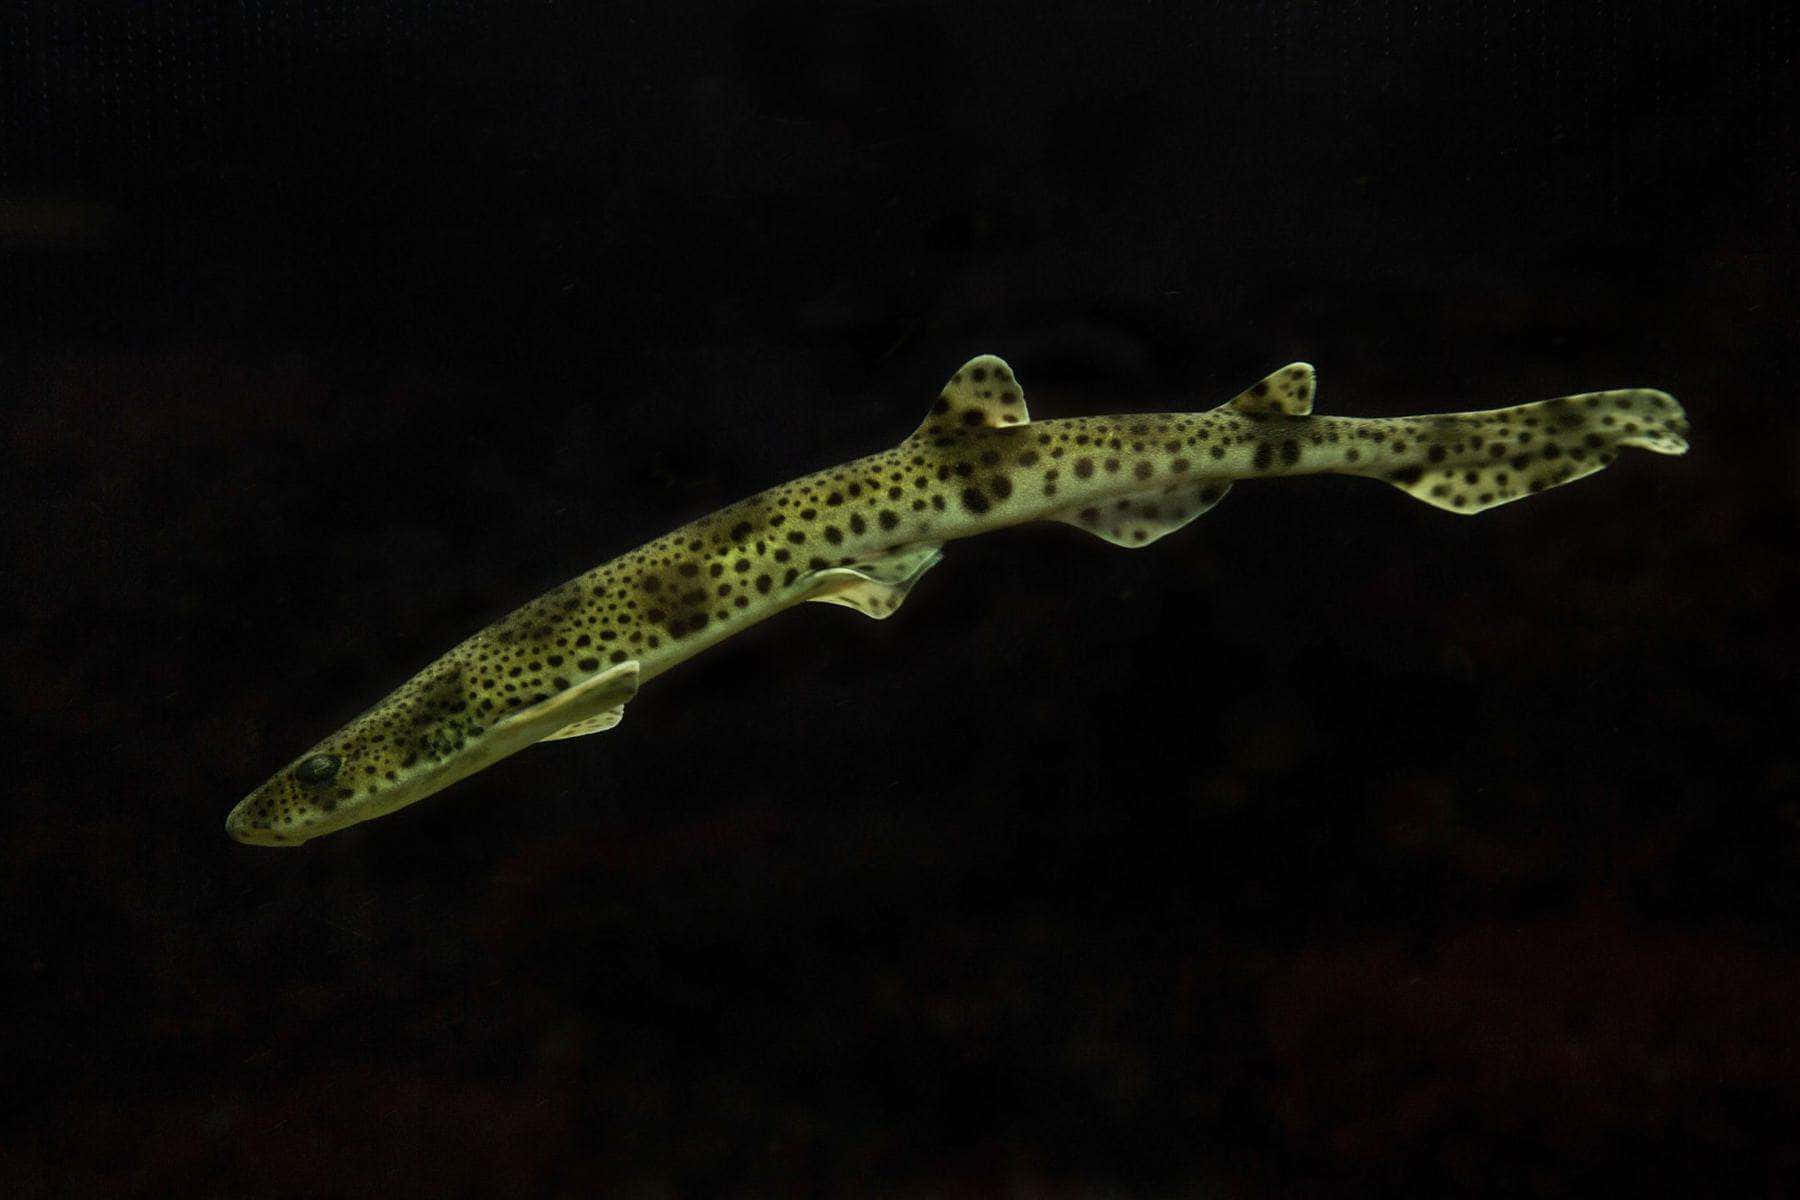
point(861, 535)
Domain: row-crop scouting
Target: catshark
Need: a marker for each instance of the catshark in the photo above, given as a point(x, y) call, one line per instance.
point(861, 535)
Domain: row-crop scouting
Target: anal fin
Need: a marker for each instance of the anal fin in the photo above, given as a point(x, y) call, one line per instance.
point(1142, 517)
point(877, 586)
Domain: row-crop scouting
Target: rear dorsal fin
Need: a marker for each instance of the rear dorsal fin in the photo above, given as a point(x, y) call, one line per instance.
point(983, 394)
point(1288, 391)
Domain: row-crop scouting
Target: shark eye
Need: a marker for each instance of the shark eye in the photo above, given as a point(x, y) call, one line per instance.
point(320, 768)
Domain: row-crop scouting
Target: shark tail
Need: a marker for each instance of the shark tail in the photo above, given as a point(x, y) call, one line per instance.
point(1467, 462)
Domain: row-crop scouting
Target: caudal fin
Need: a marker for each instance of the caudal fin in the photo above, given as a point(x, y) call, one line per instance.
point(1467, 462)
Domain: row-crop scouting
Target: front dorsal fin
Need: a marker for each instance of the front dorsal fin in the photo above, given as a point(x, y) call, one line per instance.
point(983, 394)
point(1288, 391)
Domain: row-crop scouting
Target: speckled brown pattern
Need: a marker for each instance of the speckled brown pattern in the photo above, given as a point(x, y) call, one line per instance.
point(863, 533)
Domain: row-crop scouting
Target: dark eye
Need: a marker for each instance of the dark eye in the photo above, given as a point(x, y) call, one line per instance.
point(320, 768)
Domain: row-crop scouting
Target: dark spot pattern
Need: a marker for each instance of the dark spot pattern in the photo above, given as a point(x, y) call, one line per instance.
point(1131, 480)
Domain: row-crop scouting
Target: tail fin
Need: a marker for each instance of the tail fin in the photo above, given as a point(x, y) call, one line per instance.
point(1467, 462)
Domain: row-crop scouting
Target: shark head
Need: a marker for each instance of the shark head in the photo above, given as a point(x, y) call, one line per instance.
point(334, 784)
point(423, 738)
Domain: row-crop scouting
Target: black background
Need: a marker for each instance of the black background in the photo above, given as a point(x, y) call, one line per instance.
point(1336, 845)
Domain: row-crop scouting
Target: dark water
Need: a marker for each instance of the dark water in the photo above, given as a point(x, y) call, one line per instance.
point(1333, 846)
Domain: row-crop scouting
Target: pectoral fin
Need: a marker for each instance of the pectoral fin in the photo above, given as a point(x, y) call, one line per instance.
point(593, 704)
point(598, 723)
point(875, 588)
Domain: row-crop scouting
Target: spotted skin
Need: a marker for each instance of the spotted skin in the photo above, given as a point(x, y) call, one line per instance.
point(862, 534)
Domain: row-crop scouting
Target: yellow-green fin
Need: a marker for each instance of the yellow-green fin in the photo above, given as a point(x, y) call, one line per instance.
point(1138, 520)
point(594, 724)
point(591, 700)
point(1467, 462)
point(982, 394)
point(1288, 391)
point(876, 587)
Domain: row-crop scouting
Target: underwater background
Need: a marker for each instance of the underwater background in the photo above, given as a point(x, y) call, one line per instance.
point(1333, 846)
